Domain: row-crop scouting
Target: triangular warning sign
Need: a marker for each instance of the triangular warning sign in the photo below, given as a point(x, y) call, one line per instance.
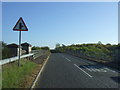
point(20, 25)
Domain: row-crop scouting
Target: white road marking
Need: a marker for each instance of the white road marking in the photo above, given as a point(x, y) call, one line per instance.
point(83, 70)
point(103, 70)
point(87, 68)
point(109, 69)
point(97, 70)
point(93, 70)
point(39, 74)
point(68, 59)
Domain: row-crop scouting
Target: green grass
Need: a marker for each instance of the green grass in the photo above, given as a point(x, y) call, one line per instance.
point(13, 75)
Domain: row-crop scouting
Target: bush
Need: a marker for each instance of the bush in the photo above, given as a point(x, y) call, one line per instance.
point(45, 48)
point(35, 48)
point(97, 51)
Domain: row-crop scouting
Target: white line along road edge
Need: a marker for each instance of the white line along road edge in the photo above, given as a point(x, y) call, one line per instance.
point(83, 71)
point(33, 85)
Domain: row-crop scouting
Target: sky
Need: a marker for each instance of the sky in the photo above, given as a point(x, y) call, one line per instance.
point(66, 23)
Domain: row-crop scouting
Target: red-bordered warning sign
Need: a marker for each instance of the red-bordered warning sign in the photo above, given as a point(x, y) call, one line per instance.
point(20, 25)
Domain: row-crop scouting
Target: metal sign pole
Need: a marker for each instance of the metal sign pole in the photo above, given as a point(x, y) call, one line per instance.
point(19, 48)
point(20, 26)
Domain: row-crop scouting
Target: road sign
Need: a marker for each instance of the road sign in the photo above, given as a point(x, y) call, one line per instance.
point(20, 25)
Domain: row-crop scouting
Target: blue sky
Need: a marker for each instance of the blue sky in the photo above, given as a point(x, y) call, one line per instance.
point(65, 23)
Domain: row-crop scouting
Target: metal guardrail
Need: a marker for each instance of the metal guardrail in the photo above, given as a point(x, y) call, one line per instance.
point(38, 53)
point(34, 54)
point(8, 60)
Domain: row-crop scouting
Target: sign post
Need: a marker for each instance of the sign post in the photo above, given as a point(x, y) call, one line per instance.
point(19, 47)
point(20, 26)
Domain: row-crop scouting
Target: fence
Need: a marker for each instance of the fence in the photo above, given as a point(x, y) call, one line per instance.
point(34, 54)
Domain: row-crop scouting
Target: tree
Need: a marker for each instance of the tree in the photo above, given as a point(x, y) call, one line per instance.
point(35, 48)
point(45, 48)
point(99, 42)
point(63, 45)
point(57, 45)
point(3, 44)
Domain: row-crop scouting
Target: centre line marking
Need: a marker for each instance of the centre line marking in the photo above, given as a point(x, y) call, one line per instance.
point(83, 70)
point(68, 59)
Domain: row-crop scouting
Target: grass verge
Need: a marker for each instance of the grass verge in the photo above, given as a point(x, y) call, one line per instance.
point(13, 76)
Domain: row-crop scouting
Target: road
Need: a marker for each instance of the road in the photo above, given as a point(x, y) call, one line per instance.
point(67, 71)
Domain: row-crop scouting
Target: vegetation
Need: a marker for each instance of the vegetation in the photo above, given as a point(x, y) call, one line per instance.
point(45, 48)
point(97, 51)
point(13, 76)
point(38, 48)
point(5, 51)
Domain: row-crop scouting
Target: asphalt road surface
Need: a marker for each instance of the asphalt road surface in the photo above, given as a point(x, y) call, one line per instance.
point(67, 71)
